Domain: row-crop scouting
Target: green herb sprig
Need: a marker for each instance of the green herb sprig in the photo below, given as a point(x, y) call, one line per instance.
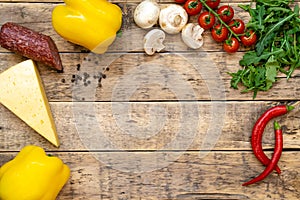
point(277, 26)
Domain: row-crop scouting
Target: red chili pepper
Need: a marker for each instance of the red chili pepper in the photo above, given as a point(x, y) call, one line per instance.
point(275, 158)
point(258, 130)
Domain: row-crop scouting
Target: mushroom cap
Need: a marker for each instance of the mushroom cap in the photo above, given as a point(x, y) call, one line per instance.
point(146, 14)
point(172, 18)
point(153, 41)
point(192, 35)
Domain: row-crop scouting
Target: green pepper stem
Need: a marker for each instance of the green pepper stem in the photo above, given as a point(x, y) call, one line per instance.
point(220, 20)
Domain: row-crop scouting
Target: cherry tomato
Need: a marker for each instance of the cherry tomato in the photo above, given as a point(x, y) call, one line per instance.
point(231, 45)
point(213, 4)
point(237, 26)
point(219, 33)
point(249, 38)
point(180, 1)
point(206, 20)
point(192, 7)
point(226, 13)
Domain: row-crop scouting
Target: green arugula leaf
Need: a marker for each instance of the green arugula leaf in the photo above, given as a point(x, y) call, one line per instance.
point(296, 10)
point(271, 71)
point(251, 58)
point(270, 34)
point(278, 47)
point(274, 3)
point(246, 8)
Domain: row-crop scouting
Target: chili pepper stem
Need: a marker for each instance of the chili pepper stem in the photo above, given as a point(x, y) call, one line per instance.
point(220, 20)
point(289, 108)
point(276, 125)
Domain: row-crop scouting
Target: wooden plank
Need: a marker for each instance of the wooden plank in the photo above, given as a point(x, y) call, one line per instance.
point(115, 1)
point(192, 76)
point(151, 126)
point(37, 16)
point(146, 143)
point(139, 175)
point(120, 1)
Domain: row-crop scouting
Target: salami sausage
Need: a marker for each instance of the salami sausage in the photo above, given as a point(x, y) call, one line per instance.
point(30, 44)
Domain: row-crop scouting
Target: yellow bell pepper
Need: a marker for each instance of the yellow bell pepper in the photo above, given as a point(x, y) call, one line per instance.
point(33, 175)
point(89, 23)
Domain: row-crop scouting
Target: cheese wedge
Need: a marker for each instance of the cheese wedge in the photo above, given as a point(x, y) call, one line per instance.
point(22, 92)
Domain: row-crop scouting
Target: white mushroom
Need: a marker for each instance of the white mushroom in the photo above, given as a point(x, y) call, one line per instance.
point(172, 18)
point(146, 14)
point(153, 41)
point(192, 35)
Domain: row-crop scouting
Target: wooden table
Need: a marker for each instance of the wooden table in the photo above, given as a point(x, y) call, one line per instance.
point(166, 126)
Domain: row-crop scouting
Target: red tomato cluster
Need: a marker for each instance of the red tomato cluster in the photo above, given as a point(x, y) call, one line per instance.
point(210, 20)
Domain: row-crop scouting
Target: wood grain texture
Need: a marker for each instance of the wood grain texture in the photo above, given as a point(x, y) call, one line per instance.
point(131, 39)
point(204, 74)
point(132, 36)
point(128, 126)
point(115, 1)
point(167, 126)
point(216, 175)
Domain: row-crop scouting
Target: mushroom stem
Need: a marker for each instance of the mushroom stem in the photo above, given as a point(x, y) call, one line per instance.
point(153, 41)
point(192, 35)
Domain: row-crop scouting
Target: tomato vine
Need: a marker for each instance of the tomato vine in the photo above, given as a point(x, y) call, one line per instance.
point(232, 33)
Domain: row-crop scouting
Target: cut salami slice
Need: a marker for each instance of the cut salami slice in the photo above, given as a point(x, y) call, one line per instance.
point(30, 44)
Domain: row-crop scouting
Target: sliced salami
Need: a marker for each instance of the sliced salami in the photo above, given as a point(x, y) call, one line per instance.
point(30, 44)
